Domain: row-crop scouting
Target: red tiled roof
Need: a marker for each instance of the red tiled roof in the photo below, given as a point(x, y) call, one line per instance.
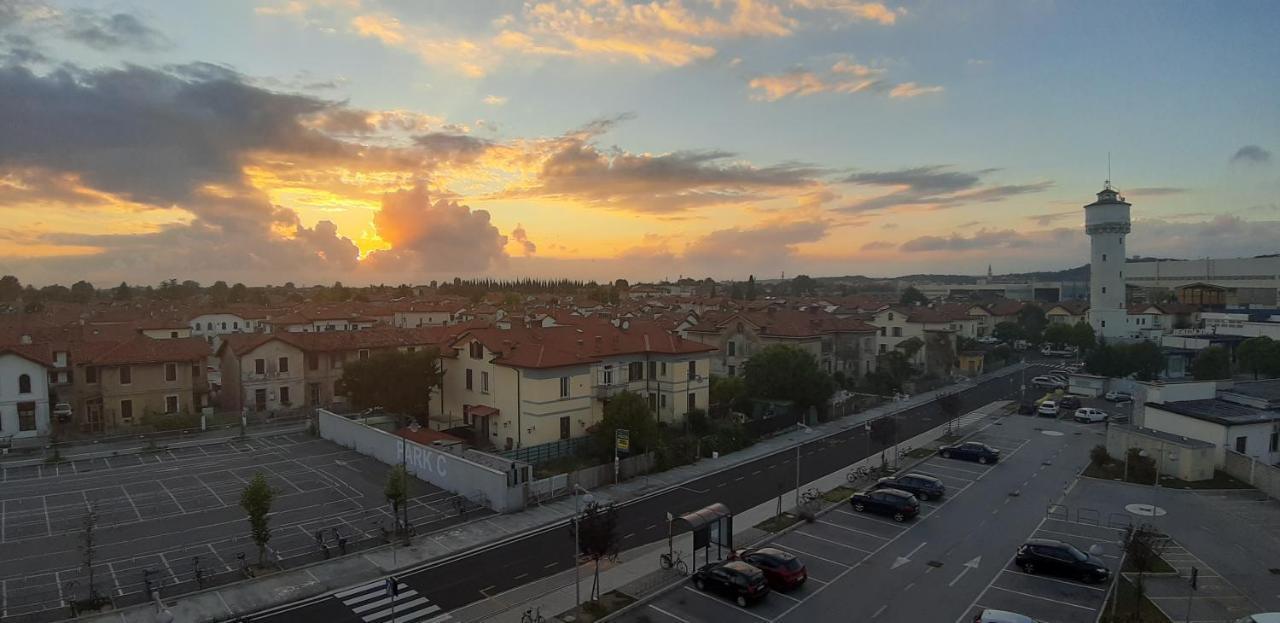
point(342, 341)
point(584, 343)
point(39, 353)
point(143, 349)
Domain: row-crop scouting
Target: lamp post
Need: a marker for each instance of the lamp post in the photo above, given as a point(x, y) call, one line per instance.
point(577, 511)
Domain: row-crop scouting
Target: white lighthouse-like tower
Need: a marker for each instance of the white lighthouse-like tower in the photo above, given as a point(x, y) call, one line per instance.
point(1107, 223)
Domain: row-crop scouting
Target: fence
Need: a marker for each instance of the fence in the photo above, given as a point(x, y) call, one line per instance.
point(550, 451)
point(545, 489)
point(1266, 478)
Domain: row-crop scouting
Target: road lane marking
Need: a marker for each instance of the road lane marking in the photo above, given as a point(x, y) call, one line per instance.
point(879, 611)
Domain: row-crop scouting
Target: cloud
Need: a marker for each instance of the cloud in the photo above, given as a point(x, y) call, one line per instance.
point(574, 167)
point(494, 100)
point(435, 236)
point(983, 239)
point(878, 245)
point(98, 30)
point(935, 187)
point(911, 89)
point(1156, 191)
point(1251, 154)
point(762, 245)
point(844, 76)
point(854, 10)
point(520, 236)
point(1048, 218)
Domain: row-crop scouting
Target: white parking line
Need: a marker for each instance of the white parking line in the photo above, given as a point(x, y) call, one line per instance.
point(796, 550)
point(869, 518)
point(836, 543)
point(114, 579)
point(957, 469)
point(836, 525)
point(870, 534)
point(1056, 601)
point(44, 501)
point(171, 496)
point(669, 614)
point(1049, 579)
point(724, 603)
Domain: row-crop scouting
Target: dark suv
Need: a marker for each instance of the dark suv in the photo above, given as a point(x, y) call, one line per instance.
point(1061, 559)
point(923, 486)
point(1069, 402)
point(781, 569)
point(734, 579)
point(897, 504)
point(970, 451)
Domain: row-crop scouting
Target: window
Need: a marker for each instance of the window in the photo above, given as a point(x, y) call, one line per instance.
point(1275, 441)
point(1104, 289)
point(411, 349)
point(564, 387)
point(693, 370)
point(173, 334)
point(891, 316)
point(195, 370)
point(170, 371)
point(126, 410)
point(363, 354)
point(653, 369)
point(90, 374)
point(882, 349)
point(662, 368)
point(26, 416)
point(1242, 442)
point(733, 370)
point(733, 349)
point(335, 360)
point(882, 331)
point(259, 366)
point(1104, 323)
point(469, 373)
point(126, 375)
point(24, 384)
point(477, 350)
point(693, 402)
point(653, 401)
point(635, 371)
point(1104, 257)
point(662, 400)
point(235, 324)
point(260, 398)
point(897, 332)
point(564, 427)
point(170, 404)
point(197, 326)
point(313, 361)
point(283, 364)
point(606, 376)
point(284, 394)
point(484, 382)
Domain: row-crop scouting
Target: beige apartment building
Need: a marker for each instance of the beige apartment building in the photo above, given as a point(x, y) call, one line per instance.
point(118, 384)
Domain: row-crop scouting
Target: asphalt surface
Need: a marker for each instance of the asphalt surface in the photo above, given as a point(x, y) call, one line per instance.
point(949, 563)
point(456, 582)
point(170, 515)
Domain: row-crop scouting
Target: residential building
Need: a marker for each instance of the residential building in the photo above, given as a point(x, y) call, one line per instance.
point(1068, 313)
point(1243, 417)
point(261, 372)
point(119, 384)
point(24, 393)
point(838, 344)
point(212, 324)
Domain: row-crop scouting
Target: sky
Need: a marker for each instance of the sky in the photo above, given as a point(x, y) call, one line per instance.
point(401, 141)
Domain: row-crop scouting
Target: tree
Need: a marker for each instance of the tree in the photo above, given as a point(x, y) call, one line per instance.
point(1032, 320)
point(256, 501)
point(598, 538)
point(238, 294)
point(219, 292)
point(10, 288)
point(781, 372)
point(1144, 360)
point(1083, 337)
point(1008, 332)
point(82, 292)
point(397, 493)
point(399, 382)
point(122, 292)
point(1108, 361)
point(1211, 363)
point(912, 296)
point(737, 292)
point(727, 393)
point(88, 553)
point(1259, 355)
point(751, 288)
point(802, 285)
point(884, 432)
point(629, 411)
point(951, 407)
point(1058, 333)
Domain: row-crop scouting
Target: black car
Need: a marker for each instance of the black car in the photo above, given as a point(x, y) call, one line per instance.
point(970, 451)
point(781, 569)
point(735, 579)
point(897, 504)
point(1061, 559)
point(922, 486)
point(1069, 402)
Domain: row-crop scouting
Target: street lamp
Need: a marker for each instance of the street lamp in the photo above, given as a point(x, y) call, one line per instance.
point(577, 511)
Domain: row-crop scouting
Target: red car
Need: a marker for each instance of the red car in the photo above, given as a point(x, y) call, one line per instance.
point(781, 569)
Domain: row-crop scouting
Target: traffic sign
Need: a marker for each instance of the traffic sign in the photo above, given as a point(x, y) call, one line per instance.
point(622, 440)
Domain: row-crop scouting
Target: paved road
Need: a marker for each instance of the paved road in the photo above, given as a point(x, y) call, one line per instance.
point(453, 583)
point(946, 565)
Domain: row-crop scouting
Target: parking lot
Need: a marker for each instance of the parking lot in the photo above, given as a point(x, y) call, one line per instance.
point(953, 558)
point(172, 517)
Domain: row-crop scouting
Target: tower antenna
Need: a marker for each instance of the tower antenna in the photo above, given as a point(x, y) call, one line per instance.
point(1108, 168)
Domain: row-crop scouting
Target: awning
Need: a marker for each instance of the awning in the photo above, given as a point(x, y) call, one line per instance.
point(481, 411)
point(704, 516)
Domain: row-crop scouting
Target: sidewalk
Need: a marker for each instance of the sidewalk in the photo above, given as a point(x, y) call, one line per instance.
point(636, 572)
point(465, 539)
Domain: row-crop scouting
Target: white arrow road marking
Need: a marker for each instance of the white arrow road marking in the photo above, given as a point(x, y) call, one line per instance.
point(972, 564)
point(902, 560)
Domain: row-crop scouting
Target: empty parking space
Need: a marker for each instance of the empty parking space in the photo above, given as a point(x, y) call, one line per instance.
point(173, 517)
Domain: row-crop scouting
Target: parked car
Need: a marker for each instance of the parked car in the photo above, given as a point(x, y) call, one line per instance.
point(1048, 408)
point(62, 412)
point(988, 339)
point(1265, 617)
point(1059, 379)
point(1044, 382)
point(922, 486)
point(1061, 559)
point(1089, 415)
point(735, 579)
point(782, 570)
point(1026, 408)
point(1118, 396)
point(1001, 616)
point(1075, 367)
point(970, 451)
point(1069, 402)
point(897, 504)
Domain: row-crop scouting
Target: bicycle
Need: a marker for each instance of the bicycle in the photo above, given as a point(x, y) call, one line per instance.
point(533, 615)
point(810, 495)
point(668, 561)
point(858, 473)
point(903, 452)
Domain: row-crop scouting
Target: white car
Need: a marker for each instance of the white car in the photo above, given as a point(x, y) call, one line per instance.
point(1001, 616)
point(1044, 381)
point(62, 411)
point(1089, 414)
point(1049, 408)
point(1118, 397)
point(988, 339)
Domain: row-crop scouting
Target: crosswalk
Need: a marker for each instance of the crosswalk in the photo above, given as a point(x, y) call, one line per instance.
point(372, 604)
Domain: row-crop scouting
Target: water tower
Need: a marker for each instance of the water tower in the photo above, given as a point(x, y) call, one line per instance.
point(1107, 223)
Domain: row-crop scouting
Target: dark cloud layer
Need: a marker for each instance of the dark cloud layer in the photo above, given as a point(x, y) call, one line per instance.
point(986, 239)
point(937, 186)
point(1251, 154)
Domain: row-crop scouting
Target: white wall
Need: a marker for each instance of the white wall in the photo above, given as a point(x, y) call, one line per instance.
point(1175, 424)
point(479, 483)
point(11, 368)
